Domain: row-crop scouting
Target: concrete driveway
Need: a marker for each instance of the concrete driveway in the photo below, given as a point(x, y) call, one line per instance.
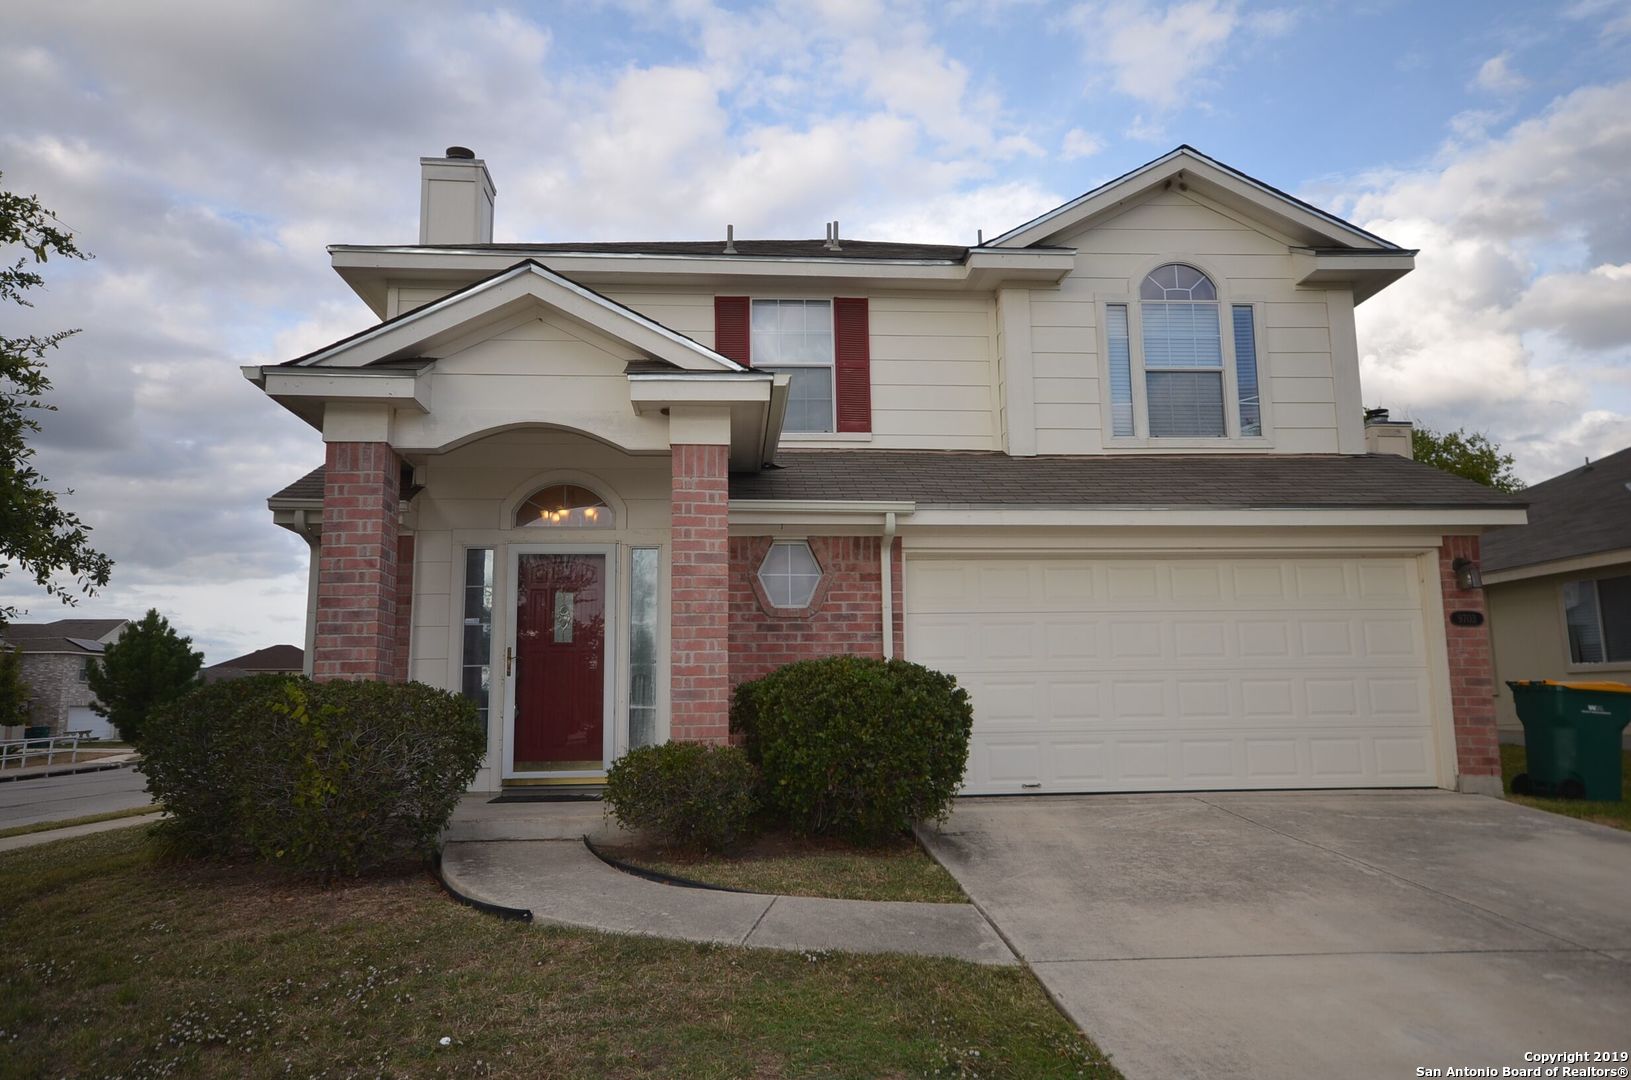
point(1303, 934)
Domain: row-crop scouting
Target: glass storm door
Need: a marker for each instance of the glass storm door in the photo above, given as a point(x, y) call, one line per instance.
point(560, 650)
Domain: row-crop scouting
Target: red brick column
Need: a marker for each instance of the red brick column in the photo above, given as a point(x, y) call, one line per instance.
point(700, 615)
point(1472, 675)
point(357, 564)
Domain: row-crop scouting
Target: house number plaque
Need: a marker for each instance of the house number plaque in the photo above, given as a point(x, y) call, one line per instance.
point(1467, 618)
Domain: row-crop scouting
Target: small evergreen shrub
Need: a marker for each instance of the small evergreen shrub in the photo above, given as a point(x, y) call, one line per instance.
point(858, 747)
point(328, 778)
point(688, 794)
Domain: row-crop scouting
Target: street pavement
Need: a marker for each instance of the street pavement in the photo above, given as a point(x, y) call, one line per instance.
point(58, 798)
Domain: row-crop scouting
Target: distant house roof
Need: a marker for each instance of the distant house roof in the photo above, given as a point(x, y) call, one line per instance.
point(1585, 511)
point(271, 658)
point(274, 659)
point(309, 486)
point(80, 636)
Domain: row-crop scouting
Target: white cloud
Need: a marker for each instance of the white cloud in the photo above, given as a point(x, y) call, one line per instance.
point(1160, 53)
point(1079, 144)
point(1496, 76)
point(1145, 129)
point(1516, 319)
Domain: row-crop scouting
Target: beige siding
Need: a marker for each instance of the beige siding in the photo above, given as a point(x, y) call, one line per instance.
point(1250, 264)
point(1531, 641)
point(934, 377)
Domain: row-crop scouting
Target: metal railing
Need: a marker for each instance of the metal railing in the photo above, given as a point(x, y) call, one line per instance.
point(16, 752)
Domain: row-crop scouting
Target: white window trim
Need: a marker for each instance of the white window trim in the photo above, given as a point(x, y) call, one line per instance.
point(1583, 666)
point(1227, 302)
point(831, 365)
point(821, 572)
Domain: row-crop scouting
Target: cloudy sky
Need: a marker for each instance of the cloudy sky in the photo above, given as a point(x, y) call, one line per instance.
point(206, 153)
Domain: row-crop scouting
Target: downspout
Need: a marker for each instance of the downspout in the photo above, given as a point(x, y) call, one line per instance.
point(887, 573)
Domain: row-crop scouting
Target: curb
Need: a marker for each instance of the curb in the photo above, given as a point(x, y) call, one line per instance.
point(486, 907)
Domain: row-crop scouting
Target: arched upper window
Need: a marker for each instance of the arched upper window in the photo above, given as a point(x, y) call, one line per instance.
point(1178, 366)
point(564, 506)
point(1175, 281)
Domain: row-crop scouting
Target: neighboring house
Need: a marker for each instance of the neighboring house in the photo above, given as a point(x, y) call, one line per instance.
point(1108, 468)
point(272, 660)
point(1559, 587)
point(54, 656)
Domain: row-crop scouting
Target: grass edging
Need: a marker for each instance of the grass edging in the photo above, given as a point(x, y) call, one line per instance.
point(487, 907)
point(88, 819)
point(659, 876)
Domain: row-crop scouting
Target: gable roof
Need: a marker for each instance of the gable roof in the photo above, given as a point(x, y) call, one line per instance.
point(392, 340)
point(1305, 218)
point(62, 636)
point(1582, 512)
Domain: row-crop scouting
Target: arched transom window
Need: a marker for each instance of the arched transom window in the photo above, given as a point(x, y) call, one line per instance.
point(1178, 370)
point(564, 506)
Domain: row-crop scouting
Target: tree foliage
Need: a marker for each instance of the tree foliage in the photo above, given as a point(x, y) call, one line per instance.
point(150, 665)
point(1474, 456)
point(37, 534)
point(13, 691)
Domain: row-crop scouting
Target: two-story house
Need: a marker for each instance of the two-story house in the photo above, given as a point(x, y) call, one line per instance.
point(1109, 469)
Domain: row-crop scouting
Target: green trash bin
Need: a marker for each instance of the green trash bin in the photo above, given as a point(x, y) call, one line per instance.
point(1571, 736)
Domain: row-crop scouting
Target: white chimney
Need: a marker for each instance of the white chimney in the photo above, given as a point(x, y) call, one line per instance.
point(455, 199)
point(1385, 436)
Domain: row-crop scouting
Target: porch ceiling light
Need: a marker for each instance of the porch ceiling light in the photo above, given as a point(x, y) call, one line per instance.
point(564, 506)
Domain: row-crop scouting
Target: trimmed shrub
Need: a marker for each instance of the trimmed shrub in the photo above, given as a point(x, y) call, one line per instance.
point(689, 794)
point(858, 747)
point(329, 778)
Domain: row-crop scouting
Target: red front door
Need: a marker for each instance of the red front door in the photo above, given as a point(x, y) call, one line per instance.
point(560, 651)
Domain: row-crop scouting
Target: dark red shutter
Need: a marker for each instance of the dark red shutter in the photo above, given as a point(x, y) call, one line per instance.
point(732, 337)
point(852, 363)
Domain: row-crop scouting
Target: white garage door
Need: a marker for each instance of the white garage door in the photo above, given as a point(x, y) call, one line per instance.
point(85, 718)
point(1182, 674)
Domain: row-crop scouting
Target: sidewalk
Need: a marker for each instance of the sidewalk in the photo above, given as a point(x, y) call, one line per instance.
point(117, 760)
point(532, 857)
point(13, 843)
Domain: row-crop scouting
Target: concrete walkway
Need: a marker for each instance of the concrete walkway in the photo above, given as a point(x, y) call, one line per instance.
point(532, 856)
point(47, 836)
point(1304, 934)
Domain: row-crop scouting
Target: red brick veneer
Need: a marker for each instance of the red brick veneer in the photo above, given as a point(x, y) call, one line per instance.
point(1472, 667)
point(699, 688)
point(357, 635)
point(844, 616)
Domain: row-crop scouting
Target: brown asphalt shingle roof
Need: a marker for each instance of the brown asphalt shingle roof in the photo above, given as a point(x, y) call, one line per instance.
point(1582, 512)
point(1209, 481)
point(61, 636)
point(805, 249)
point(271, 658)
point(1212, 481)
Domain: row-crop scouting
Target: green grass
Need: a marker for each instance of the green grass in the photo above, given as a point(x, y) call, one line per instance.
point(789, 866)
point(88, 819)
point(114, 961)
point(1616, 815)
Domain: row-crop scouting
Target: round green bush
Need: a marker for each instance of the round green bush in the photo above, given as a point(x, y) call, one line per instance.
point(688, 794)
point(858, 747)
point(330, 778)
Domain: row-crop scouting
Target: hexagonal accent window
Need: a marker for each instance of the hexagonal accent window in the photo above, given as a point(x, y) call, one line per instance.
point(564, 506)
point(790, 574)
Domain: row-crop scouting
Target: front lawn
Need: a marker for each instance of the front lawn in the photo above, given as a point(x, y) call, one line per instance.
point(115, 962)
point(1616, 815)
point(776, 862)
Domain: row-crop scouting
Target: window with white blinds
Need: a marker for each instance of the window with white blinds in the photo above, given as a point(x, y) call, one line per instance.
point(1193, 381)
point(1598, 615)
